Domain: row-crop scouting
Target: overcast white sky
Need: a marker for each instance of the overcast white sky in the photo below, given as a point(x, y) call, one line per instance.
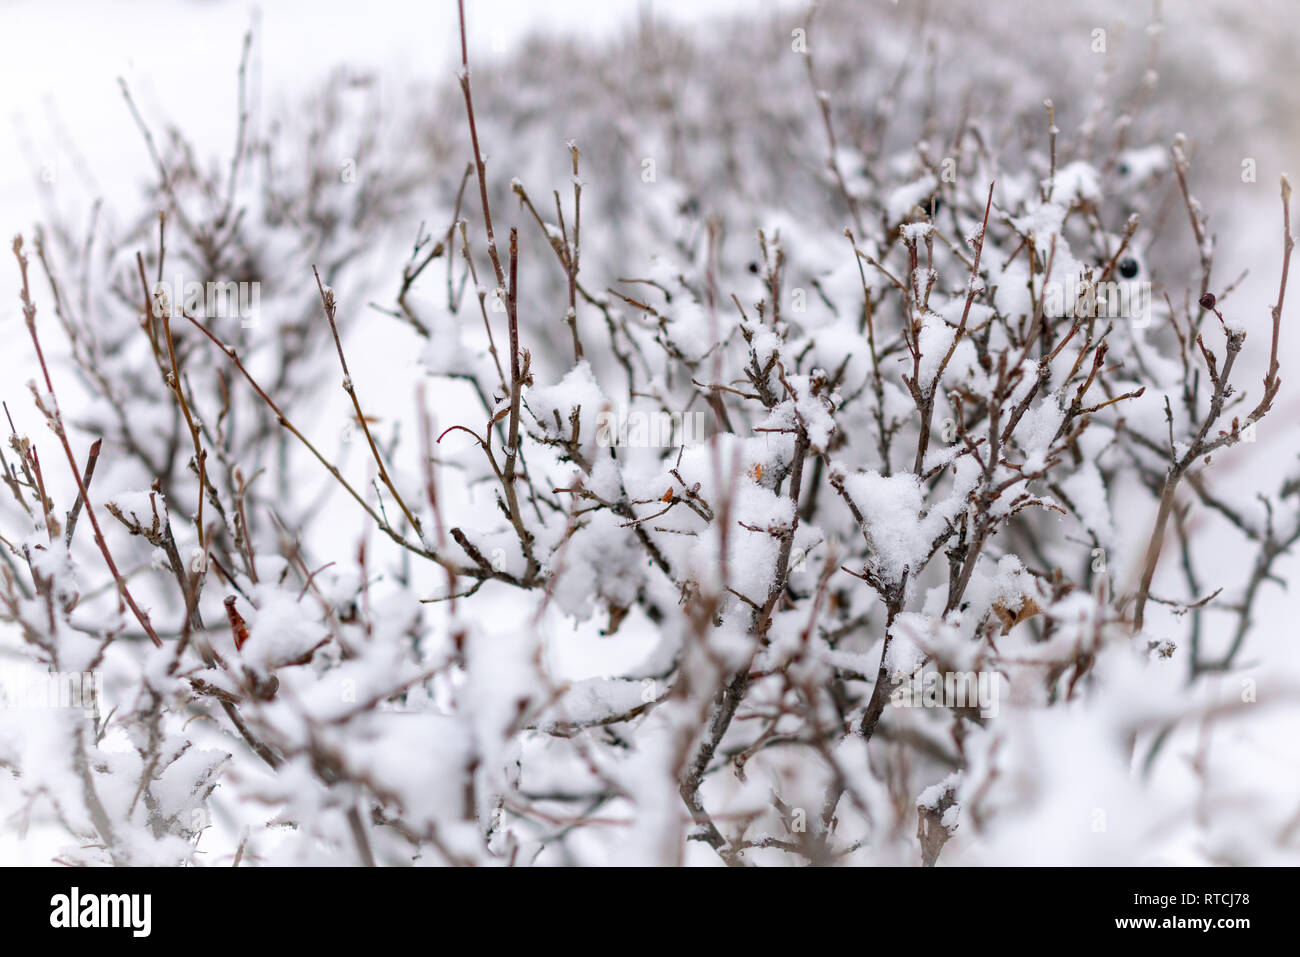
point(180, 57)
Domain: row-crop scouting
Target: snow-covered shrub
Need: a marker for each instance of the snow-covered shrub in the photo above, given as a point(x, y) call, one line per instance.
point(788, 483)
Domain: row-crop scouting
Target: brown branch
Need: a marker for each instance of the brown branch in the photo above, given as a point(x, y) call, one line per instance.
point(55, 419)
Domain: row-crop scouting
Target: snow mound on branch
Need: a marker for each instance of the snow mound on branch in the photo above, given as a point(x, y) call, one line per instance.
point(576, 391)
